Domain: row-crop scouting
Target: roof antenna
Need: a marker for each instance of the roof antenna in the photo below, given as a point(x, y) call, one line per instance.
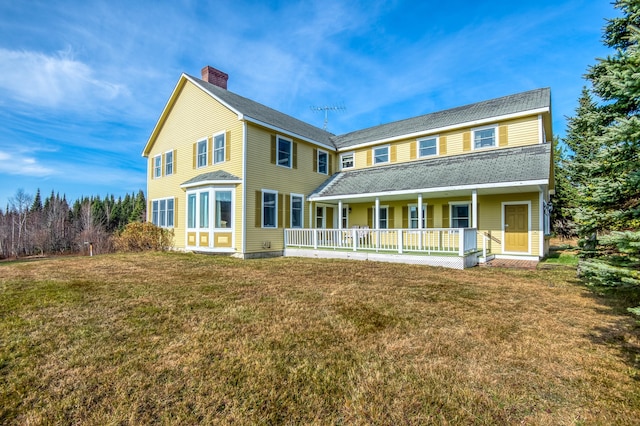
point(326, 109)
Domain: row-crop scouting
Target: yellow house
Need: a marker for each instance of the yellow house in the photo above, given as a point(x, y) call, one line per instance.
point(451, 188)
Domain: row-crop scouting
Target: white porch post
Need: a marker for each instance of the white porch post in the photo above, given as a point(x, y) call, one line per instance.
point(376, 223)
point(474, 208)
point(340, 214)
point(420, 219)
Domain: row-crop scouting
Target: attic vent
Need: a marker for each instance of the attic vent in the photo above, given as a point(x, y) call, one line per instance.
point(215, 77)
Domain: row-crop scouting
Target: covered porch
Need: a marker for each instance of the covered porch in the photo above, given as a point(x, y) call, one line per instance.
point(448, 247)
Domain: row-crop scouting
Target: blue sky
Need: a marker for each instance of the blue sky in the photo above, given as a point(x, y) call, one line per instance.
point(82, 83)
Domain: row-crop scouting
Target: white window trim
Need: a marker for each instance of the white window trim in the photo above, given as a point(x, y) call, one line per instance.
point(278, 138)
point(436, 137)
point(224, 147)
point(206, 159)
point(269, 191)
point(373, 154)
point(322, 151)
point(292, 195)
point(353, 160)
point(460, 203)
point(345, 217)
point(424, 214)
point(530, 234)
point(496, 143)
point(382, 207)
point(158, 168)
point(173, 160)
point(211, 230)
point(157, 200)
point(323, 217)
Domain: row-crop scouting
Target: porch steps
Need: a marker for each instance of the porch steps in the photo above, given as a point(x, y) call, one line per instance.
point(530, 265)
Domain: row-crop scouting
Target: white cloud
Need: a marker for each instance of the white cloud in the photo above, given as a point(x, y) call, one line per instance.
point(22, 165)
point(54, 80)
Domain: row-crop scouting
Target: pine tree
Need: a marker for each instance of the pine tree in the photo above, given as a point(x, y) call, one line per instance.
point(605, 138)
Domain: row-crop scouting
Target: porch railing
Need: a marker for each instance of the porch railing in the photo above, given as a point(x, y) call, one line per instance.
point(433, 240)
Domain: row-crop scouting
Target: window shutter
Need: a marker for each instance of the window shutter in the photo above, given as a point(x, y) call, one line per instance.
point(175, 161)
point(445, 215)
point(443, 145)
point(210, 151)
point(394, 153)
point(503, 136)
point(151, 168)
point(195, 155)
point(413, 150)
point(466, 141)
point(258, 218)
point(175, 211)
point(315, 160)
point(163, 164)
point(370, 217)
point(281, 210)
point(391, 219)
point(430, 216)
point(294, 149)
point(227, 146)
point(369, 160)
point(149, 211)
point(330, 159)
point(287, 211)
point(273, 149)
point(405, 216)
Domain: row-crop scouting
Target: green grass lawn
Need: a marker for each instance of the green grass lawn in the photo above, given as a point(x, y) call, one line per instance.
point(189, 339)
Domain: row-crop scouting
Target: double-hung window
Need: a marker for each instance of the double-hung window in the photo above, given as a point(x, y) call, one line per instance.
point(283, 152)
point(162, 212)
point(460, 216)
point(381, 155)
point(269, 209)
point(223, 209)
point(413, 216)
point(383, 218)
point(297, 212)
point(157, 166)
point(202, 153)
point(347, 161)
point(428, 147)
point(218, 148)
point(168, 163)
point(323, 162)
point(484, 137)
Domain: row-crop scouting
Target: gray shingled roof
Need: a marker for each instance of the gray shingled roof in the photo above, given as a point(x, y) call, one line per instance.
point(525, 101)
point(217, 175)
point(265, 114)
point(529, 163)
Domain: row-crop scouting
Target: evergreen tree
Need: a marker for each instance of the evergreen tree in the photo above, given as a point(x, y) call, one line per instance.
point(605, 138)
point(564, 198)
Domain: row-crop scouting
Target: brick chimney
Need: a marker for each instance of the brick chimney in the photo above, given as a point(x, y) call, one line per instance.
point(215, 77)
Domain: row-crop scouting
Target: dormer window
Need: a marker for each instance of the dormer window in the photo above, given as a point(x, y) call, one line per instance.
point(381, 155)
point(484, 137)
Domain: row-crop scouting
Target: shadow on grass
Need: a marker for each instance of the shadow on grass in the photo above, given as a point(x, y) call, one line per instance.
point(624, 332)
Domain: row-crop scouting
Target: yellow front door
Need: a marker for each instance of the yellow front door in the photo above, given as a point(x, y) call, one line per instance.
point(516, 228)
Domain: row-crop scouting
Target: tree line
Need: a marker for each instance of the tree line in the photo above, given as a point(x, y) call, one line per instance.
point(598, 169)
point(32, 226)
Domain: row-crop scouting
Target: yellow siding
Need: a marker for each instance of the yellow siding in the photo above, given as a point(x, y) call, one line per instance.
point(261, 174)
point(195, 116)
point(519, 132)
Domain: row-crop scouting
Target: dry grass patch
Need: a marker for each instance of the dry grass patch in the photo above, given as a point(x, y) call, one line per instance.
point(176, 338)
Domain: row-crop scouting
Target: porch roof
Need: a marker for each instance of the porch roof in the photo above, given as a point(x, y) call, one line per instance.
point(499, 168)
point(217, 177)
